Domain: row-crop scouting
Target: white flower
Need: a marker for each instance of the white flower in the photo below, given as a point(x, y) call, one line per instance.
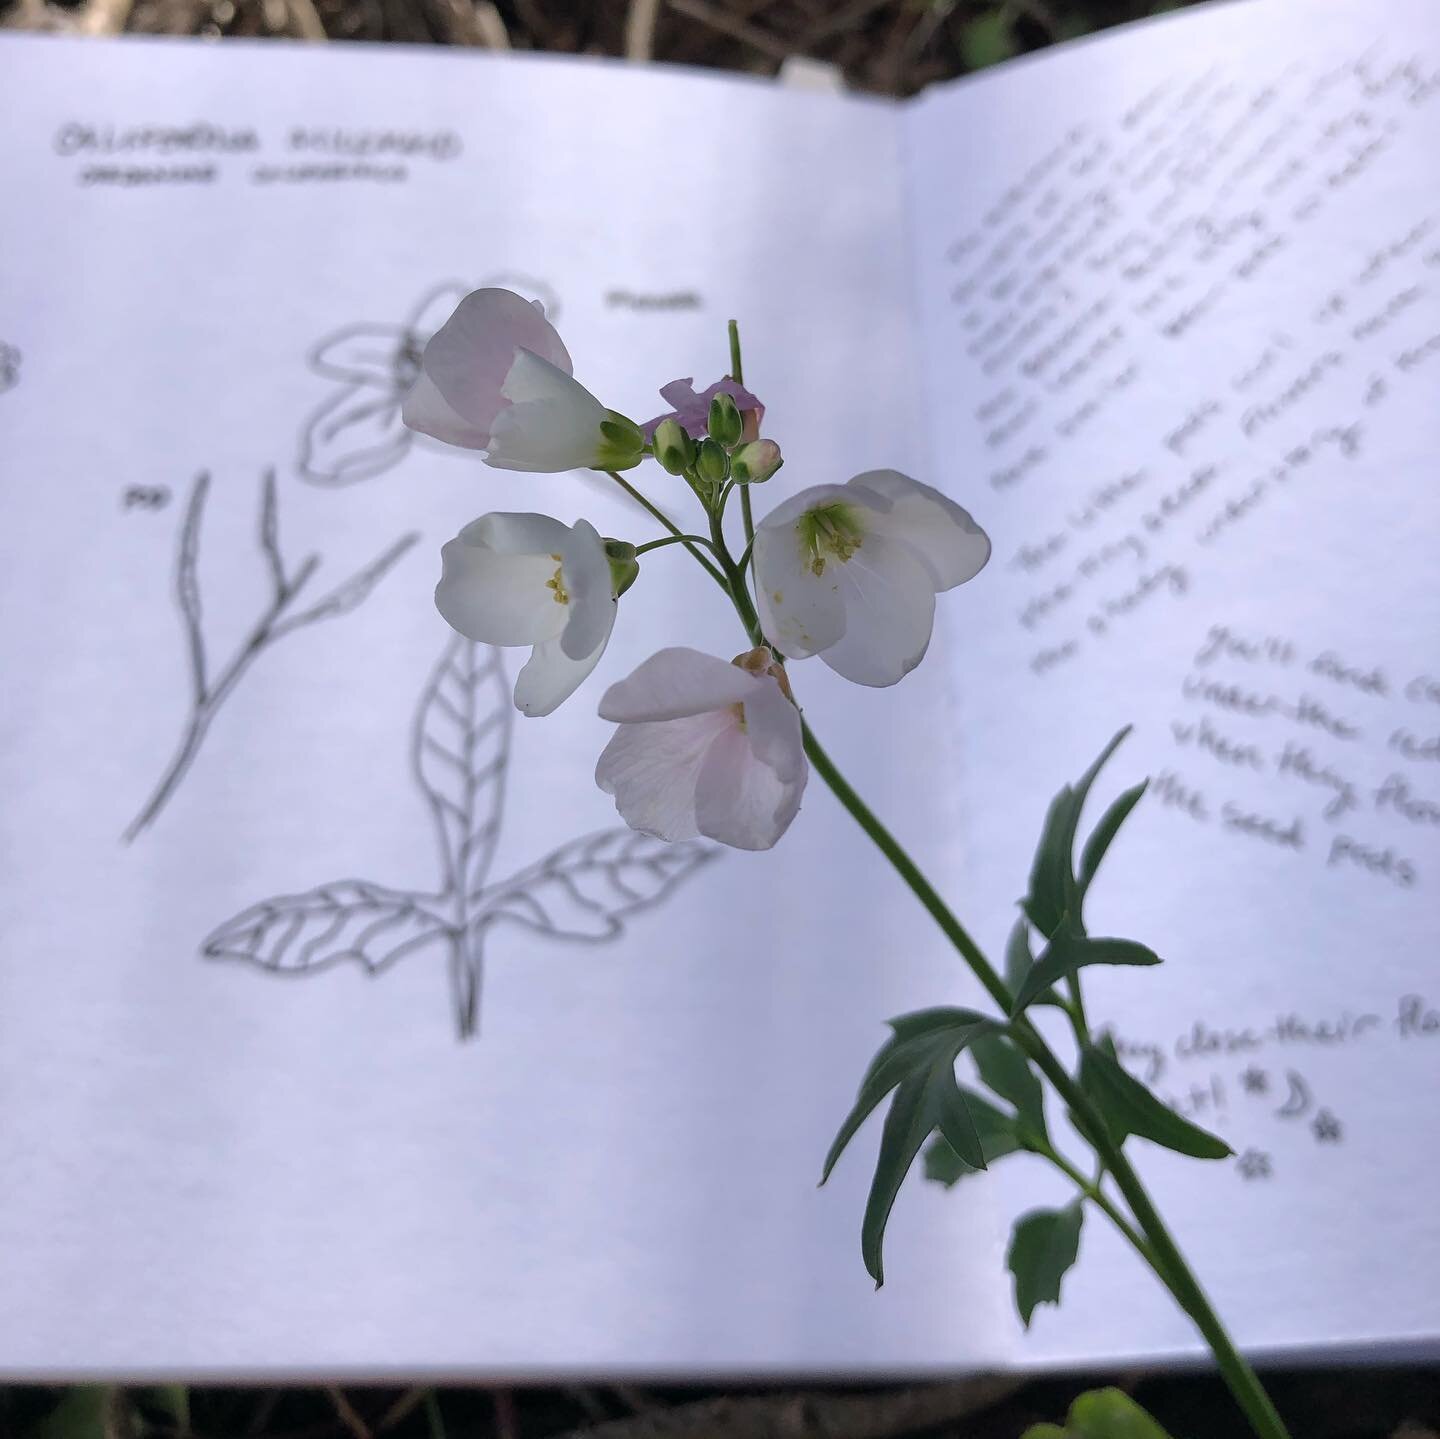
point(705, 747)
point(850, 572)
point(496, 377)
point(530, 580)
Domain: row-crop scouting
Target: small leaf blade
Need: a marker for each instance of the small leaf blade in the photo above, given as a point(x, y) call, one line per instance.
point(999, 1135)
point(1043, 1248)
point(1103, 835)
point(1006, 1071)
point(1070, 951)
point(1130, 1107)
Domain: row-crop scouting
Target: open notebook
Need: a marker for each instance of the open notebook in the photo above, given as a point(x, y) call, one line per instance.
point(1160, 309)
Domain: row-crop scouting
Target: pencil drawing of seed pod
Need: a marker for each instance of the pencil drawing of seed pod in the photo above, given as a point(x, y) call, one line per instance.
point(356, 432)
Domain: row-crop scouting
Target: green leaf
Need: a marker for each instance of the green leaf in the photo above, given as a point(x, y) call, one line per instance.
point(1043, 1248)
point(171, 1400)
point(1053, 892)
point(1069, 951)
point(918, 1064)
point(82, 1414)
point(1110, 1414)
point(1019, 962)
point(1104, 832)
point(987, 40)
point(1130, 1108)
point(1004, 1069)
point(1101, 1414)
point(998, 1132)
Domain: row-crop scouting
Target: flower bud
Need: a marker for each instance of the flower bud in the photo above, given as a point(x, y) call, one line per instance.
point(622, 444)
point(674, 449)
point(624, 566)
point(725, 425)
point(753, 463)
point(713, 464)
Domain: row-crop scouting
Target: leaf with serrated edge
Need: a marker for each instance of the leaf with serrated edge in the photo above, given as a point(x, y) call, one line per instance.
point(349, 919)
point(584, 889)
point(1043, 1248)
point(1139, 1112)
point(460, 753)
point(1068, 952)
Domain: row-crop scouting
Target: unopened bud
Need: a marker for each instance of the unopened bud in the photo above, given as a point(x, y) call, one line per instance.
point(673, 447)
point(753, 463)
point(725, 424)
point(624, 565)
point(713, 463)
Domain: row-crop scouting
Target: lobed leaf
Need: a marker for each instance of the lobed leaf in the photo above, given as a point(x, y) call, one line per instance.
point(1043, 1248)
point(999, 1135)
point(1070, 951)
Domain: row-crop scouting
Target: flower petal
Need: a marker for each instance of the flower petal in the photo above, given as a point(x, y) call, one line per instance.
point(652, 770)
point(425, 409)
point(551, 423)
point(739, 799)
point(494, 598)
point(951, 544)
point(802, 612)
point(674, 683)
point(470, 356)
point(549, 677)
point(691, 411)
point(585, 570)
point(773, 725)
point(433, 308)
point(889, 599)
point(510, 533)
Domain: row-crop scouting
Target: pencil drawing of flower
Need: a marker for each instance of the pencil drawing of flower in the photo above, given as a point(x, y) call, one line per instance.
point(582, 892)
point(357, 432)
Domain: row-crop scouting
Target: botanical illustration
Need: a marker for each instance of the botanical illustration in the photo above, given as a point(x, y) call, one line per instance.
point(356, 432)
point(210, 688)
point(582, 892)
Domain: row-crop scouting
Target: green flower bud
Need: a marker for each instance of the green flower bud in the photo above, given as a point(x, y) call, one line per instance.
point(673, 447)
point(624, 566)
point(755, 462)
point(725, 424)
point(622, 444)
point(713, 464)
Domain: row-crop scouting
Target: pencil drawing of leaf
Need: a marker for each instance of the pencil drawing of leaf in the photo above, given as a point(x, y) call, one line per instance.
point(279, 618)
point(300, 933)
point(461, 752)
point(584, 889)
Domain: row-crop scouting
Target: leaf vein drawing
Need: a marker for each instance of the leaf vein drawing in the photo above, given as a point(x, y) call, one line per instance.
point(208, 692)
point(582, 892)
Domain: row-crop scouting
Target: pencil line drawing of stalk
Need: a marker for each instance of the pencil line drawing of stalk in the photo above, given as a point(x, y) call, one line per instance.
point(208, 692)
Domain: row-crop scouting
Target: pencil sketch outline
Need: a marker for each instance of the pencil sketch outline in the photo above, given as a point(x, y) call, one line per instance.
point(582, 891)
point(9, 367)
point(208, 693)
point(356, 433)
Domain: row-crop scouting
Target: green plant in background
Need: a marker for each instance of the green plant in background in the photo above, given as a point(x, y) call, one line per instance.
point(996, 33)
point(1101, 1414)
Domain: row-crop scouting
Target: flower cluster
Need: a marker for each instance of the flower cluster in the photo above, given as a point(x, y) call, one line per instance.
point(846, 572)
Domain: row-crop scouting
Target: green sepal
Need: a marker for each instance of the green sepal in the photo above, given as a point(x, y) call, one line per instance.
point(756, 462)
point(624, 565)
point(672, 447)
point(712, 464)
point(725, 424)
point(1044, 1246)
point(622, 443)
point(1130, 1108)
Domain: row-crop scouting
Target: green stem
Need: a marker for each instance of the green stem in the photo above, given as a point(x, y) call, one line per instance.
point(1155, 1242)
point(737, 373)
point(734, 580)
point(669, 524)
point(687, 540)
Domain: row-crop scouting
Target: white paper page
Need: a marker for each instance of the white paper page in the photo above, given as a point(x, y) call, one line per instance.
point(212, 1168)
point(1183, 342)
